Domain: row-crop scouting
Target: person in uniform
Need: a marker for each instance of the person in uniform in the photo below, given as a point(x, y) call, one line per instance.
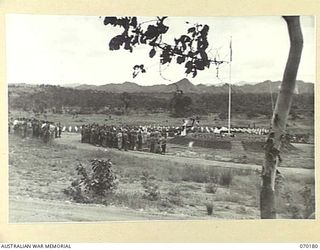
point(163, 144)
point(119, 140)
point(133, 139)
point(114, 138)
point(83, 131)
point(97, 136)
point(125, 141)
point(102, 137)
point(157, 143)
point(139, 140)
point(35, 128)
point(46, 133)
point(55, 131)
point(24, 129)
point(109, 138)
point(152, 142)
point(10, 124)
point(59, 130)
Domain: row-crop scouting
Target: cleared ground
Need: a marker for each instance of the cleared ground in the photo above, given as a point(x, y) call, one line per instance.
point(39, 173)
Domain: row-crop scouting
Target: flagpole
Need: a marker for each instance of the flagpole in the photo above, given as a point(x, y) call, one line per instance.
point(229, 108)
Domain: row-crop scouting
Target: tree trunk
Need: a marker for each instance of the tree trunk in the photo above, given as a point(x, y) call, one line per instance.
point(279, 120)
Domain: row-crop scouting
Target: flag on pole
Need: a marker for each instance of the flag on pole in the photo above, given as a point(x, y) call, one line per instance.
point(231, 49)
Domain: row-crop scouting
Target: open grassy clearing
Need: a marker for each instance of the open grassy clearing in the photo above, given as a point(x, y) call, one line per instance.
point(300, 156)
point(39, 171)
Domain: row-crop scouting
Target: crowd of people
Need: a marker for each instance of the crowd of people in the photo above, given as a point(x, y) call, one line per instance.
point(126, 138)
point(34, 128)
point(184, 130)
point(152, 138)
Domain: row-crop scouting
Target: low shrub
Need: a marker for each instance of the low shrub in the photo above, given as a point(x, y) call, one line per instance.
point(194, 174)
point(174, 196)
point(308, 201)
point(226, 178)
point(97, 184)
point(151, 189)
point(211, 188)
point(209, 206)
point(292, 209)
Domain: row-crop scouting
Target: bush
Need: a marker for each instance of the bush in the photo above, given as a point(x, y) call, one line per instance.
point(103, 180)
point(151, 189)
point(99, 183)
point(174, 196)
point(190, 173)
point(294, 211)
point(308, 201)
point(209, 206)
point(211, 188)
point(226, 178)
point(214, 175)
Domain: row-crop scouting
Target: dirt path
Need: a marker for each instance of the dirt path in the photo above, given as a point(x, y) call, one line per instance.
point(38, 210)
point(73, 139)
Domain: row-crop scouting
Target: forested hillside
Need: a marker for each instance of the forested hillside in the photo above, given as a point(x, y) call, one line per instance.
point(59, 99)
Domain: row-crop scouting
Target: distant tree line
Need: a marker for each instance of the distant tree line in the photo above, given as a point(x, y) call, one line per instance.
point(56, 98)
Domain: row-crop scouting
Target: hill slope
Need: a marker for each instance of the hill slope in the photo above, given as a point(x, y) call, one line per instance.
point(188, 87)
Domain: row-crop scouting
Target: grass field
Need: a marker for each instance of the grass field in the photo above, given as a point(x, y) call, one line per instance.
point(251, 152)
point(188, 184)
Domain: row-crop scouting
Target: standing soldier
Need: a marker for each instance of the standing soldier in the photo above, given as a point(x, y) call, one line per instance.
point(35, 127)
point(55, 131)
point(139, 140)
point(24, 129)
point(119, 139)
point(29, 128)
point(97, 136)
point(92, 132)
point(10, 124)
point(114, 138)
point(163, 144)
point(86, 133)
point(83, 134)
point(102, 137)
point(46, 132)
point(152, 142)
point(125, 140)
point(157, 144)
point(109, 138)
point(129, 133)
point(133, 139)
point(59, 130)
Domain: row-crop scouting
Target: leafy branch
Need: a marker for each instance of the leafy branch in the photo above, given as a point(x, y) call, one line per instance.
point(189, 49)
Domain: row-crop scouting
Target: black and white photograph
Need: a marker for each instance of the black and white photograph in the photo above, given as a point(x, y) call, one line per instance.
point(139, 118)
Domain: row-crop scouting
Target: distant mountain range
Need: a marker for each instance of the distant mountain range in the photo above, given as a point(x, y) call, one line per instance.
point(188, 87)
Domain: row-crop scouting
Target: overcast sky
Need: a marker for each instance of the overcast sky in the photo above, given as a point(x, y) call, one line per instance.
point(74, 49)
